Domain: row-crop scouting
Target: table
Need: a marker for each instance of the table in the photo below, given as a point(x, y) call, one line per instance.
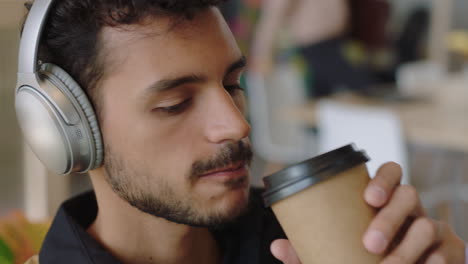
point(440, 121)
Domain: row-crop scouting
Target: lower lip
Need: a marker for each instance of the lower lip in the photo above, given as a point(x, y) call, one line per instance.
point(226, 175)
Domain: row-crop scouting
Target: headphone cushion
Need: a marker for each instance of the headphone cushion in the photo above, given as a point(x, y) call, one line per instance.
point(80, 96)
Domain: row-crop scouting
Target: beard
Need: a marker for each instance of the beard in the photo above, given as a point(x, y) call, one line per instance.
point(166, 203)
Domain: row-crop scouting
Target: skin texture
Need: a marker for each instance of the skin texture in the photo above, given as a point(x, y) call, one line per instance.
point(160, 143)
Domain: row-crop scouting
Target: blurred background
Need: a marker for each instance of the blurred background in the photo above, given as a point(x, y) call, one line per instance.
point(389, 76)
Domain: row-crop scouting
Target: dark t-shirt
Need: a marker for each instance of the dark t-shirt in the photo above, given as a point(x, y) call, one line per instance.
point(246, 241)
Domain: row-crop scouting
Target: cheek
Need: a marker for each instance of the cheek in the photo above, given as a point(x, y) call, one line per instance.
point(116, 125)
point(171, 145)
point(156, 144)
point(159, 147)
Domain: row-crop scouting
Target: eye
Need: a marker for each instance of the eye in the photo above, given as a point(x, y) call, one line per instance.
point(174, 109)
point(232, 89)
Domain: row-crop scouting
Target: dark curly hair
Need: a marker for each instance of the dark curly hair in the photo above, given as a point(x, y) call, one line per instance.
point(71, 33)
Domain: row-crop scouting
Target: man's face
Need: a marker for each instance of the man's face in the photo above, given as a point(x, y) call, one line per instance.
point(172, 119)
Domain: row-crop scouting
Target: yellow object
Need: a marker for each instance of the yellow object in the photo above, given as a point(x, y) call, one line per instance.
point(458, 42)
point(22, 237)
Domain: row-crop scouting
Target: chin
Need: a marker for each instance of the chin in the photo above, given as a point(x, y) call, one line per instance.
point(234, 201)
point(224, 199)
point(237, 193)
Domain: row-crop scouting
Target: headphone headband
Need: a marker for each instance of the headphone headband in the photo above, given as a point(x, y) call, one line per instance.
point(29, 43)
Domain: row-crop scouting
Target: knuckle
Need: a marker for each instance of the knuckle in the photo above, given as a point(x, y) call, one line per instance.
point(427, 229)
point(459, 244)
point(391, 164)
point(409, 194)
point(385, 226)
point(437, 258)
point(392, 167)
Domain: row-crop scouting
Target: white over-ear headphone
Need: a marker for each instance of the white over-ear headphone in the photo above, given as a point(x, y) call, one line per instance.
point(55, 115)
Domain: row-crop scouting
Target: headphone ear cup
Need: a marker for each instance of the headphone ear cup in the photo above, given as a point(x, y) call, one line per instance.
point(84, 105)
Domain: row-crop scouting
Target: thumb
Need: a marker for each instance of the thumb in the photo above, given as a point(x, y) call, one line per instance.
point(283, 250)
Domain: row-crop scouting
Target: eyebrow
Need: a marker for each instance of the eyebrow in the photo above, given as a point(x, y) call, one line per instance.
point(239, 64)
point(168, 84)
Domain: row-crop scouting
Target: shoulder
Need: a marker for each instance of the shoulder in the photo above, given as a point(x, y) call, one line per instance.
point(264, 225)
point(33, 260)
point(256, 204)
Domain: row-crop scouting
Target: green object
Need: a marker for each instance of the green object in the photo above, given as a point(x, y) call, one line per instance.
point(6, 255)
point(5, 261)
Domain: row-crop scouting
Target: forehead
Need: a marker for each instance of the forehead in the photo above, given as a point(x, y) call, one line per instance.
point(166, 44)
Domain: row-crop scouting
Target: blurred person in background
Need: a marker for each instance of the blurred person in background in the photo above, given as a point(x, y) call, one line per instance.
point(163, 80)
point(318, 30)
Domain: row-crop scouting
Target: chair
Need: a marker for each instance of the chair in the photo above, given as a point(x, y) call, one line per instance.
point(375, 130)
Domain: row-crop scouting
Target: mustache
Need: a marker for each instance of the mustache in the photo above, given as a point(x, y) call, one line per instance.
point(231, 153)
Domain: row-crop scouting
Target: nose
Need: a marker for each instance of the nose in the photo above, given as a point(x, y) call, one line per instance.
point(225, 120)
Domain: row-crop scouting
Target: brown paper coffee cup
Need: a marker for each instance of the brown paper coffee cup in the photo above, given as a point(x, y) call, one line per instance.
point(320, 205)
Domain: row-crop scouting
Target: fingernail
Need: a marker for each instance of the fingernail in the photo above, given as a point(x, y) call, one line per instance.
point(376, 195)
point(375, 241)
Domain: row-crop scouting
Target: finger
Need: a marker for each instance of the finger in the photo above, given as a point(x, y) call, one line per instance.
point(283, 250)
point(423, 235)
point(388, 221)
point(439, 258)
point(380, 188)
point(452, 249)
point(444, 256)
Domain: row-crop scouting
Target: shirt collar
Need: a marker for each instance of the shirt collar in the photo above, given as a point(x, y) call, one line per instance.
point(67, 240)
